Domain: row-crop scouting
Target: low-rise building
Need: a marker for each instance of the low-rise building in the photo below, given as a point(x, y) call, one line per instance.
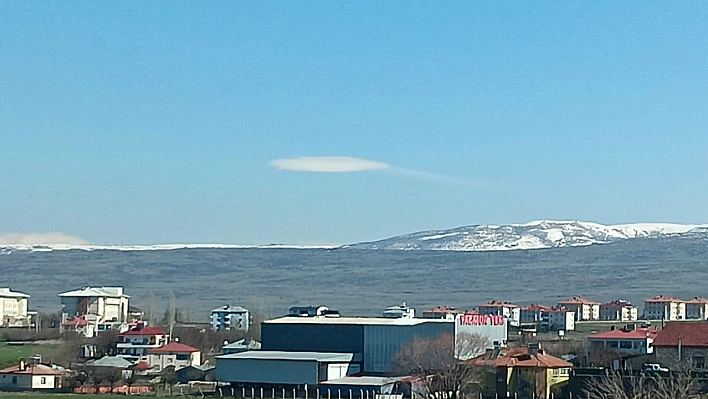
point(697, 308)
point(229, 318)
point(13, 308)
point(242, 345)
point(558, 319)
point(107, 306)
point(618, 310)
point(630, 340)
point(532, 314)
point(139, 340)
point(502, 308)
point(520, 370)
point(584, 309)
point(664, 308)
point(399, 312)
point(441, 312)
point(175, 355)
point(32, 377)
point(682, 342)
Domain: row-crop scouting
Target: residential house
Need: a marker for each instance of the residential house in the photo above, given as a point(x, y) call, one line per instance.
point(108, 307)
point(697, 308)
point(532, 314)
point(32, 377)
point(399, 312)
point(174, 354)
point(135, 314)
point(682, 342)
point(629, 340)
point(520, 369)
point(618, 310)
point(502, 308)
point(228, 318)
point(83, 325)
point(139, 340)
point(584, 309)
point(13, 308)
point(664, 308)
point(441, 312)
point(558, 319)
point(242, 345)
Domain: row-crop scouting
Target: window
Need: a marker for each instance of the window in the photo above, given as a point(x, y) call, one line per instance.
point(14, 380)
point(625, 344)
point(183, 356)
point(612, 344)
point(43, 380)
point(699, 362)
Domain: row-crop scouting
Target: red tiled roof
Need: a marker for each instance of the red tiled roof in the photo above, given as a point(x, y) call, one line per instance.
point(141, 366)
point(442, 310)
point(691, 334)
point(697, 300)
point(174, 347)
point(617, 304)
point(35, 369)
point(537, 307)
point(147, 330)
point(520, 357)
point(661, 298)
point(639, 333)
point(76, 322)
point(496, 303)
point(578, 300)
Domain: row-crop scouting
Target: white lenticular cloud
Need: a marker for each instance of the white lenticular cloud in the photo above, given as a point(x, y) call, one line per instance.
point(328, 164)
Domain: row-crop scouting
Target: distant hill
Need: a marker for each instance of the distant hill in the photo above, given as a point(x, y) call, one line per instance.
point(533, 235)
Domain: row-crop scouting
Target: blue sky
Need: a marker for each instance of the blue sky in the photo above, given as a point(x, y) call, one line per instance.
point(156, 122)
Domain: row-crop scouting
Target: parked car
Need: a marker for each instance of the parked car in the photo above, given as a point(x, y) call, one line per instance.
point(655, 367)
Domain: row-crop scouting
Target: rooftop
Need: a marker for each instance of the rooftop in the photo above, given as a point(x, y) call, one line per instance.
point(110, 292)
point(520, 357)
point(697, 300)
point(146, 330)
point(497, 303)
point(637, 333)
point(691, 334)
point(111, 361)
point(537, 307)
point(174, 347)
point(662, 298)
point(443, 310)
point(230, 309)
point(618, 303)
point(35, 369)
point(302, 356)
point(8, 293)
point(353, 320)
point(578, 300)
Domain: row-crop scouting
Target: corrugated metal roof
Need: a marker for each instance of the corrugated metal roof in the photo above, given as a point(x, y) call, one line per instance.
point(111, 292)
point(279, 355)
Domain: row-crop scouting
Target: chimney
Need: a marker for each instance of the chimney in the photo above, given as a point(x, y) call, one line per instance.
point(23, 365)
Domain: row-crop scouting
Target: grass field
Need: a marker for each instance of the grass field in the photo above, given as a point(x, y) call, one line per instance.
point(33, 395)
point(9, 354)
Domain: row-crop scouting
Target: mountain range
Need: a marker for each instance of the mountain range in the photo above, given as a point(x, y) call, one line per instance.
point(534, 235)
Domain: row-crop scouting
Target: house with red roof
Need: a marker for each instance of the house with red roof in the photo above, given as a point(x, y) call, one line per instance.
point(629, 340)
point(532, 314)
point(584, 309)
point(140, 339)
point(557, 319)
point(502, 308)
point(30, 377)
point(697, 308)
point(683, 342)
point(174, 354)
point(664, 308)
point(523, 368)
point(618, 310)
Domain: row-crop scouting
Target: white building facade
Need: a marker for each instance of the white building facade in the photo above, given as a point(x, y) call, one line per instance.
point(697, 308)
point(665, 308)
point(502, 308)
point(230, 318)
point(584, 309)
point(13, 308)
point(558, 320)
point(107, 307)
point(618, 310)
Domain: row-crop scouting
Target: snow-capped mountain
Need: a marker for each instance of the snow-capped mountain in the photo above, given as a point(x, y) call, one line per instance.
point(533, 235)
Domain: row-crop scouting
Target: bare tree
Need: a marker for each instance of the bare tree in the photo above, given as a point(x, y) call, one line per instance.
point(130, 380)
point(172, 317)
point(677, 384)
point(112, 377)
point(150, 309)
point(436, 363)
point(96, 379)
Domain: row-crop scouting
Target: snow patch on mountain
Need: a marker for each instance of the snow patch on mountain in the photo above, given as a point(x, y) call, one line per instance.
point(538, 234)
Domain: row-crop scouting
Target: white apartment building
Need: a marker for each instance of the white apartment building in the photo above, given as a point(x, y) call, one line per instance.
point(665, 307)
point(106, 307)
point(229, 318)
point(532, 314)
point(618, 310)
point(13, 308)
point(138, 341)
point(697, 308)
point(557, 320)
point(502, 308)
point(584, 309)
